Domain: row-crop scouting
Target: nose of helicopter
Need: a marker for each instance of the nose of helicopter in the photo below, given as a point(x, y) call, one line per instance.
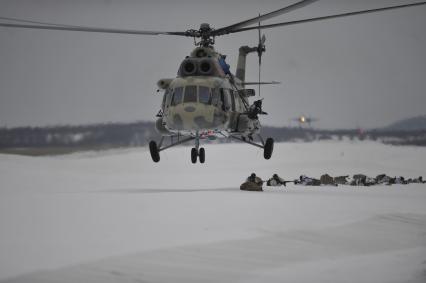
point(194, 116)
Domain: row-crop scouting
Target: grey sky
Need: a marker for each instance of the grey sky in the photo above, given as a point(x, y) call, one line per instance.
point(366, 71)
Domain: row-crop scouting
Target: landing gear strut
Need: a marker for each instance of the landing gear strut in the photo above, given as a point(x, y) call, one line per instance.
point(268, 146)
point(196, 152)
point(201, 154)
point(155, 148)
point(194, 155)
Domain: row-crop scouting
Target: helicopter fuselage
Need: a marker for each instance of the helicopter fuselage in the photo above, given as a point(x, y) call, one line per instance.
point(202, 105)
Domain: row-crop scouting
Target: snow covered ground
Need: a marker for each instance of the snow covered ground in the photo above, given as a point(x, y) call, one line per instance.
point(115, 216)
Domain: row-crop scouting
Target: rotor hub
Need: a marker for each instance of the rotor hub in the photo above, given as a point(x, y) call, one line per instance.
point(205, 27)
point(204, 33)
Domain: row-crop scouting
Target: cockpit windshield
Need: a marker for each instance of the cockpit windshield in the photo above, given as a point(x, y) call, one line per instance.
point(190, 94)
point(222, 98)
point(204, 95)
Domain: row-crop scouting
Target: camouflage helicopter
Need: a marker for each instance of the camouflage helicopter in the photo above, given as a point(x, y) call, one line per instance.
point(206, 100)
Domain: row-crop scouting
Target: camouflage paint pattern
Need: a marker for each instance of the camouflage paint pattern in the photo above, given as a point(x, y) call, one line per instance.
point(196, 116)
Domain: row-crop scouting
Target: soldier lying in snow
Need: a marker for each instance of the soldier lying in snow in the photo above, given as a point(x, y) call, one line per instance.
point(400, 180)
point(276, 181)
point(362, 180)
point(327, 180)
point(384, 179)
point(341, 180)
point(307, 181)
point(254, 179)
point(253, 183)
point(418, 180)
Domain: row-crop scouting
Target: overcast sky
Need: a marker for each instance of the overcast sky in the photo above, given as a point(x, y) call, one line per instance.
point(365, 71)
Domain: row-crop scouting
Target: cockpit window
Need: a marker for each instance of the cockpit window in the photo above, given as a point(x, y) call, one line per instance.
point(177, 96)
point(163, 104)
point(190, 94)
point(166, 99)
point(224, 97)
point(204, 95)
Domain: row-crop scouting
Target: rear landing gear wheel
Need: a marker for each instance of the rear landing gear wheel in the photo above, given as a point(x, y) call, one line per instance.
point(268, 148)
point(202, 155)
point(194, 155)
point(153, 149)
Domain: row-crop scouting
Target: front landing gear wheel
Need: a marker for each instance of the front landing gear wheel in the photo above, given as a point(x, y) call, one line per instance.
point(194, 155)
point(202, 155)
point(153, 149)
point(268, 148)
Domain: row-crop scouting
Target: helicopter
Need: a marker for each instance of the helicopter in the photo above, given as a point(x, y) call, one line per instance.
point(302, 120)
point(206, 101)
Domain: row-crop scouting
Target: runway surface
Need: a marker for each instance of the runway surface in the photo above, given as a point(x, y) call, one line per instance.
point(114, 216)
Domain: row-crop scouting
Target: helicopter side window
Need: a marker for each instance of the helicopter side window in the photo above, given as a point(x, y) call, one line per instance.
point(204, 95)
point(215, 96)
point(177, 96)
point(224, 97)
point(190, 94)
point(168, 96)
point(166, 99)
point(237, 101)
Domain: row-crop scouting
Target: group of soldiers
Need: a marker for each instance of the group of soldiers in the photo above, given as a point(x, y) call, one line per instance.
point(254, 183)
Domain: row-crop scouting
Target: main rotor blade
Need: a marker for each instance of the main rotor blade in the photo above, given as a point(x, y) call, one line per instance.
point(231, 28)
point(49, 26)
point(31, 22)
point(262, 83)
point(328, 17)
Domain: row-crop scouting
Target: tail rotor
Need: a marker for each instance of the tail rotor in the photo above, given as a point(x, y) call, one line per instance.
point(260, 50)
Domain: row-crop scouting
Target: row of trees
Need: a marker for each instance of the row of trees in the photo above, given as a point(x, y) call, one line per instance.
point(139, 134)
point(107, 135)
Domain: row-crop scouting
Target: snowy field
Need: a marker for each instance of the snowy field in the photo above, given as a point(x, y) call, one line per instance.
point(114, 216)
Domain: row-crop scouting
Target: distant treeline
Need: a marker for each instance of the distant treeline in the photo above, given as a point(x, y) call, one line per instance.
point(385, 135)
point(140, 133)
point(105, 135)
